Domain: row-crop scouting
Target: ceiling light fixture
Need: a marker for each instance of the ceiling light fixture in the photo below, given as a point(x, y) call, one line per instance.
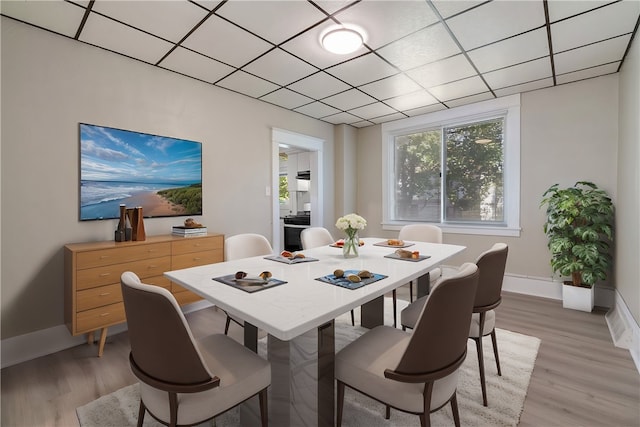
point(342, 41)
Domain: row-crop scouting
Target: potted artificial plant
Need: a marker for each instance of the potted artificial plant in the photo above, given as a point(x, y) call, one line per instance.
point(579, 227)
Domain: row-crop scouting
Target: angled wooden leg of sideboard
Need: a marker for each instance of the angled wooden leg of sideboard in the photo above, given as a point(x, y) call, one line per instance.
point(103, 339)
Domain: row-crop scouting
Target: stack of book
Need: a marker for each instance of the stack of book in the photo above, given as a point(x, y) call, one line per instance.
point(180, 230)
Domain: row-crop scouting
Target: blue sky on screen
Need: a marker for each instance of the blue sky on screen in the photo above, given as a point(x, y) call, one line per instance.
point(109, 154)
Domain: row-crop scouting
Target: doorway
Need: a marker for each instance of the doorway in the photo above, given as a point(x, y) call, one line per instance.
point(313, 148)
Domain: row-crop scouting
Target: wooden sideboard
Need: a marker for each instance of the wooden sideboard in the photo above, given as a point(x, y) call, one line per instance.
point(93, 298)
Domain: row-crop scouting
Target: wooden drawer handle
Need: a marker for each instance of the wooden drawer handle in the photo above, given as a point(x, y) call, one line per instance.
point(197, 259)
point(105, 274)
point(104, 256)
point(104, 314)
point(104, 294)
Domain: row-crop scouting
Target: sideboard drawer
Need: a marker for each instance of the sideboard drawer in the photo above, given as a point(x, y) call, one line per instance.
point(196, 244)
point(100, 317)
point(99, 276)
point(103, 257)
point(196, 258)
point(98, 297)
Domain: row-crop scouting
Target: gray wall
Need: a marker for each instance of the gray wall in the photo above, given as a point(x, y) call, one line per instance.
point(568, 133)
point(49, 84)
point(628, 207)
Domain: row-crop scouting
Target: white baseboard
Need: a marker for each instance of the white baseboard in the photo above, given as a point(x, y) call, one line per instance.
point(624, 329)
point(30, 346)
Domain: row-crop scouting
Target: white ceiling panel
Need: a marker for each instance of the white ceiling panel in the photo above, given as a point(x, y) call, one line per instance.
point(518, 74)
point(420, 56)
point(57, 16)
point(522, 48)
point(193, 64)
point(111, 35)
point(213, 38)
point(352, 71)
point(444, 71)
point(267, 19)
point(319, 85)
point(421, 47)
point(387, 21)
point(247, 84)
point(592, 55)
point(495, 21)
point(171, 20)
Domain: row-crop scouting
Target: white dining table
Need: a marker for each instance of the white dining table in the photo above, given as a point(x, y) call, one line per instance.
point(298, 316)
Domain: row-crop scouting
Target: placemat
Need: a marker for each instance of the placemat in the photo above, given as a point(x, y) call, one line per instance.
point(396, 256)
point(280, 258)
point(387, 245)
point(248, 285)
point(346, 283)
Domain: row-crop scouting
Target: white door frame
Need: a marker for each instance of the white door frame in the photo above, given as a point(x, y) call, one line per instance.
point(315, 146)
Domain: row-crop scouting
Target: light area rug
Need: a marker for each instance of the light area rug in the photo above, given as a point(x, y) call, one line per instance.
point(506, 394)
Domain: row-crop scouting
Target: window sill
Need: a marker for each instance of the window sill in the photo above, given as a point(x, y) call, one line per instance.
point(485, 230)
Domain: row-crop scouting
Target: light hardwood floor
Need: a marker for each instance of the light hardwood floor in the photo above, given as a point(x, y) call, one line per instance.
point(579, 379)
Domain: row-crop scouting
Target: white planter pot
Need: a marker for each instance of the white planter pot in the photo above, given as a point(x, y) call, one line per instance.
point(578, 298)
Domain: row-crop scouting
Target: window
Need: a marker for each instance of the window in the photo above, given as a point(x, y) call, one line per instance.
point(458, 168)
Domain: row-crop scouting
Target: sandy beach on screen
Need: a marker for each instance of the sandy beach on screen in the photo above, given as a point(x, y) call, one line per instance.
point(154, 205)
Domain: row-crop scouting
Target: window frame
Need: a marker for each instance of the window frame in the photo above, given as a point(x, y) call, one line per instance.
point(508, 106)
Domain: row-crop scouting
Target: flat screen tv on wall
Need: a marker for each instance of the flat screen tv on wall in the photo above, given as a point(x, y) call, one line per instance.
point(163, 175)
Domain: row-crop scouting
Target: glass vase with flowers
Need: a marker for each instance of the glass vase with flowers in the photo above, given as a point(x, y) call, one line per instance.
point(351, 224)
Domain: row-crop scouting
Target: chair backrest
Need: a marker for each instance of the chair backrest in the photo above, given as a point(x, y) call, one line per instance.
point(314, 237)
point(440, 336)
point(246, 246)
point(162, 345)
point(491, 264)
point(421, 233)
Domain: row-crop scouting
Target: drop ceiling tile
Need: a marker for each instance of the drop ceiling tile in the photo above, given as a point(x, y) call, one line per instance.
point(270, 19)
point(308, 47)
point(459, 89)
point(388, 118)
point(588, 73)
point(171, 20)
point(495, 21)
point(424, 110)
point(319, 85)
point(444, 71)
point(332, 6)
point(362, 124)
point(58, 16)
point(350, 99)
point(386, 21)
point(526, 87)
point(212, 39)
point(411, 100)
point(247, 84)
point(352, 71)
point(208, 4)
point(518, 74)
point(195, 65)
point(280, 67)
point(286, 98)
point(340, 118)
point(449, 8)
point(470, 99)
point(317, 110)
point(422, 47)
point(120, 38)
point(512, 51)
point(564, 9)
point(594, 26)
point(592, 55)
point(370, 111)
point(390, 87)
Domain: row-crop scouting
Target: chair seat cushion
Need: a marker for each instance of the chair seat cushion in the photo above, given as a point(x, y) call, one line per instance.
point(362, 363)
point(242, 374)
point(409, 316)
point(489, 324)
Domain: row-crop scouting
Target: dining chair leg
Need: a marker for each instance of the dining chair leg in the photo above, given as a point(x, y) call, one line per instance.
point(411, 291)
point(226, 325)
point(387, 412)
point(454, 409)
point(340, 403)
point(264, 408)
point(141, 412)
point(495, 350)
point(481, 368)
point(353, 319)
point(395, 303)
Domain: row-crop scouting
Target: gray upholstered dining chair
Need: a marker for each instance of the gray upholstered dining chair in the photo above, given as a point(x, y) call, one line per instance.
point(184, 381)
point(314, 237)
point(426, 233)
point(414, 372)
point(491, 265)
point(240, 246)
